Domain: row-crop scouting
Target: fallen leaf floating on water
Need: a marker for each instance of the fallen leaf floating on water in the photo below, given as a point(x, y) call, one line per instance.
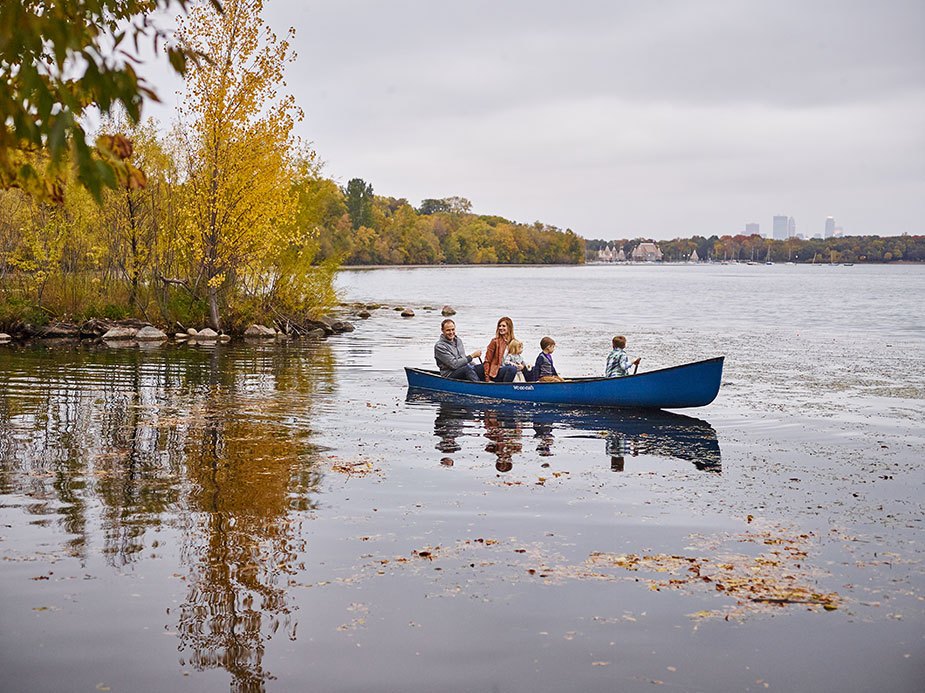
point(769, 581)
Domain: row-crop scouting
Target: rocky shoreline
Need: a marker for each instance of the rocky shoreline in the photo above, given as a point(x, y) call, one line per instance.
point(133, 330)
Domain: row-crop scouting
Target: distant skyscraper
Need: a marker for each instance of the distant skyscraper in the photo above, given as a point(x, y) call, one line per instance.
point(791, 227)
point(779, 228)
point(752, 230)
point(829, 227)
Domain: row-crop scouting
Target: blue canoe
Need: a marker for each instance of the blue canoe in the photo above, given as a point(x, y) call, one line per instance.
point(690, 385)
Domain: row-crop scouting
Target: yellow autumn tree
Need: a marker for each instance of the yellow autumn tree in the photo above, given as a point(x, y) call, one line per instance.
point(241, 157)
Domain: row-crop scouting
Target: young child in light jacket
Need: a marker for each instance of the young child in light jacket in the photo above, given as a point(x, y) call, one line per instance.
point(514, 357)
point(618, 363)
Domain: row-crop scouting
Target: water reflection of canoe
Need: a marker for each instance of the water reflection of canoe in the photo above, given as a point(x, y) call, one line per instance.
point(626, 433)
point(689, 385)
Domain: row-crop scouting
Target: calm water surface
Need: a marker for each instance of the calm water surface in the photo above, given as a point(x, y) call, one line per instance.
point(286, 516)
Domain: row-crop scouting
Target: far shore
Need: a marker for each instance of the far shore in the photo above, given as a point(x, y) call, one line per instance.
point(606, 264)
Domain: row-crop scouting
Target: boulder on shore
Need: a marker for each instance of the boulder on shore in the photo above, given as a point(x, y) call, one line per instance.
point(116, 334)
point(317, 333)
point(206, 335)
point(4, 337)
point(96, 327)
point(325, 324)
point(259, 331)
point(447, 310)
point(150, 334)
point(192, 332)
point(59, 330)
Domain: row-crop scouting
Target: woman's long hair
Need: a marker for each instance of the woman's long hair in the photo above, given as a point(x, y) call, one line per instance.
point(510, 328)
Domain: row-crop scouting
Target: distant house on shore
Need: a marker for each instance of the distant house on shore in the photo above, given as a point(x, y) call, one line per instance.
point(646, 252)
point(610, 254)
point(694, 256)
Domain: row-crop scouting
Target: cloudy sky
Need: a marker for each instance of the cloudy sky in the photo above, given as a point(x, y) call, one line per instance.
point(623, 118)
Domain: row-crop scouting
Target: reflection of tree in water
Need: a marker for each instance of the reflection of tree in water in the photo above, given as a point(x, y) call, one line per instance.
point(218, 433)
point(247, 474)
point(241, 545)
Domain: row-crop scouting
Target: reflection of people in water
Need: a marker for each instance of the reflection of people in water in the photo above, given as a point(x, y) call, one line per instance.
point(618, 446)
point(504, 434)
point(544, 438)
point(626, 433)
point(448, 426)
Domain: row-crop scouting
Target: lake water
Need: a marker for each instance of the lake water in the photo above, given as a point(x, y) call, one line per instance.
point(286, 516)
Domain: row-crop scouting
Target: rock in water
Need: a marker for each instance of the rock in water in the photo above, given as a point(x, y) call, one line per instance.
point(407, 313)
point(150, 334)
point(207, 334)
point(447, 310)
point(117, 334)
point(259, 331)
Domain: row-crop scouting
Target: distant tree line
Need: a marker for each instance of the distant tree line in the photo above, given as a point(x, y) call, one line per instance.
point(358, 228)
point(754, 247)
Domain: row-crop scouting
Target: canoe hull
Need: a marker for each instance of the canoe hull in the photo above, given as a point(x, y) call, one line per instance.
point(689, 385)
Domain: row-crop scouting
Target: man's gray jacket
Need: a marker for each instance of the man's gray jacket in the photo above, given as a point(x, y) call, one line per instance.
point(450, 355)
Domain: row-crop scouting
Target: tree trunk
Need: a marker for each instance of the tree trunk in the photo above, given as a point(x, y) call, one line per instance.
point(214, 320)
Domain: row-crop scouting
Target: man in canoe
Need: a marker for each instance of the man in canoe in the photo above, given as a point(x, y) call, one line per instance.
point(451, 356)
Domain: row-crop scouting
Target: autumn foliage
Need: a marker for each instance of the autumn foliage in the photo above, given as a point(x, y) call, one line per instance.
point(226, 219)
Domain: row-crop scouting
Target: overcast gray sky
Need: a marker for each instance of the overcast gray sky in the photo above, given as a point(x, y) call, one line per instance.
point(623, 118)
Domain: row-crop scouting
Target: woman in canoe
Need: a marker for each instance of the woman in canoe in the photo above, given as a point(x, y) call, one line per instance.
point(494, 354)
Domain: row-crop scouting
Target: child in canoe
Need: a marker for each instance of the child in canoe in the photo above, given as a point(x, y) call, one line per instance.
point(543, 370)
point(514, 357)
point(618, 363)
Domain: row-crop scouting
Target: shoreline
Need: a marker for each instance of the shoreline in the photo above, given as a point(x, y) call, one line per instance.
point(344, 268)
point(95, 331)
